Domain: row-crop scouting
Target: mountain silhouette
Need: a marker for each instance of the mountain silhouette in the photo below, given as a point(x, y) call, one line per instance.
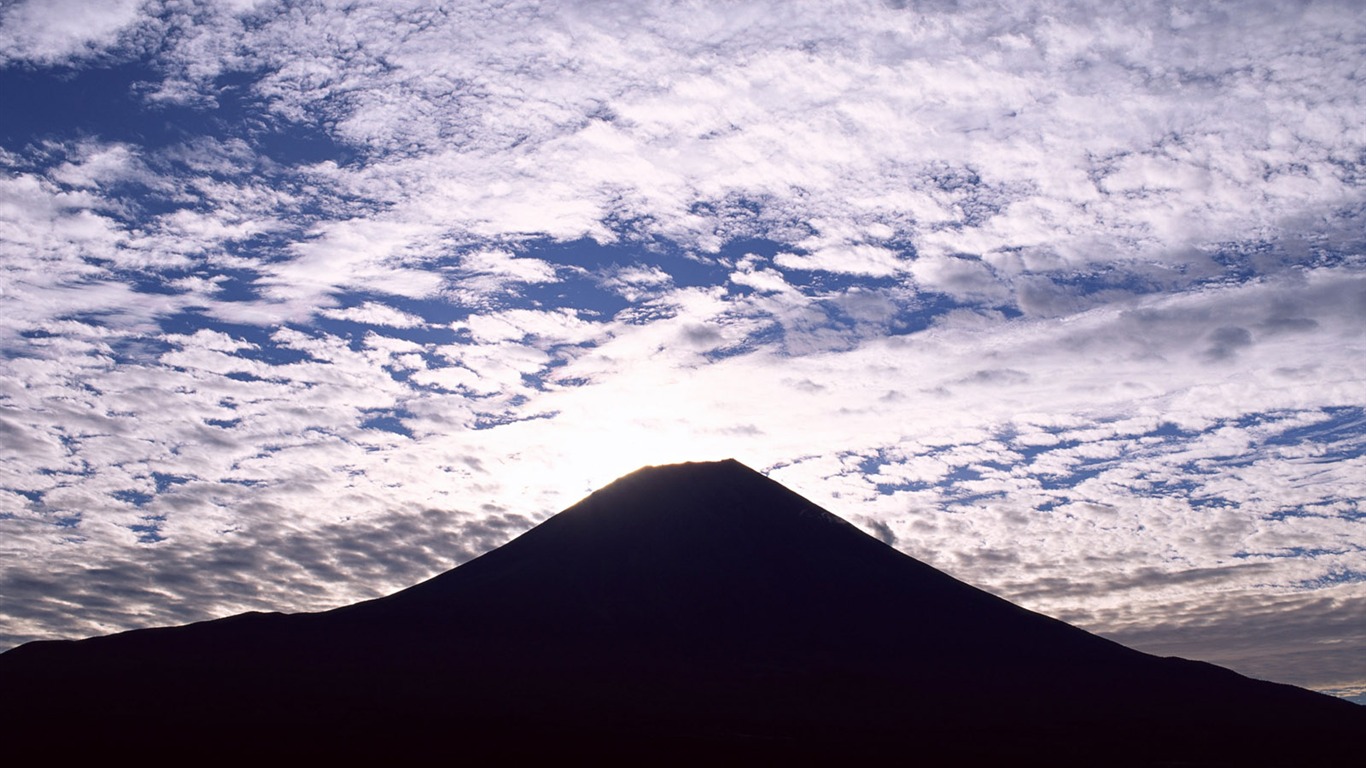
point(682, 612)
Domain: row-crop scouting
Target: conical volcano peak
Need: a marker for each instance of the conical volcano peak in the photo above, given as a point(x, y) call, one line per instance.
point(695, 609)
point(717, 533)
point(721, 493)
point(688, 472)
point(661, 476)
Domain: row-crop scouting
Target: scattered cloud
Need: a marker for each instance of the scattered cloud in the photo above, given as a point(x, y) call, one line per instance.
point(46, 32)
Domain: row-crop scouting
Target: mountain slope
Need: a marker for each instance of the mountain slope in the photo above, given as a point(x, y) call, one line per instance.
point(686, 609)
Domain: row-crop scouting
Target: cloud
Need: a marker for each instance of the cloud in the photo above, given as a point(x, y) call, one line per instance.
point(960, 277)
point(374, 313)
point(1226, 340)
point(46, 32)
point(806, 128)
point(637, 282)
point(867, 260)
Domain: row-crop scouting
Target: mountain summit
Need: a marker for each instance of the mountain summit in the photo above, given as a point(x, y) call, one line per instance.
point(681, 611)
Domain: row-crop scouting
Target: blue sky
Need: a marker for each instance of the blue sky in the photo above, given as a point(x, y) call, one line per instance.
point(305, 302)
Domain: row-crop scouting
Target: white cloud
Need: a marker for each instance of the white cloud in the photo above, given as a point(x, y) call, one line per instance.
point(563, 326)
point(374, 313)
point(635, 283)
point(368, 254)
point(47, 31)
point(98, 164)
point(750, 274)
point(869, 260)
point(960, 277)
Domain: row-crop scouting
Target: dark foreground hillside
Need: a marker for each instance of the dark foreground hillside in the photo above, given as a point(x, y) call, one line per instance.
point(687, 611)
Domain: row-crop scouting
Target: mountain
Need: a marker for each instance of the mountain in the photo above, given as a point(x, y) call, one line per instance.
point(682, 612)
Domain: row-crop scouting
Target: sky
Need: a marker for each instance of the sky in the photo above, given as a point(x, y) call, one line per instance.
point(306, 302)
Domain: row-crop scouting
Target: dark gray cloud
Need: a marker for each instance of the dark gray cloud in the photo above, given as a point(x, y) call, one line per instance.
point(1319, 635)
point(1225, 341)
point(264, 568)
